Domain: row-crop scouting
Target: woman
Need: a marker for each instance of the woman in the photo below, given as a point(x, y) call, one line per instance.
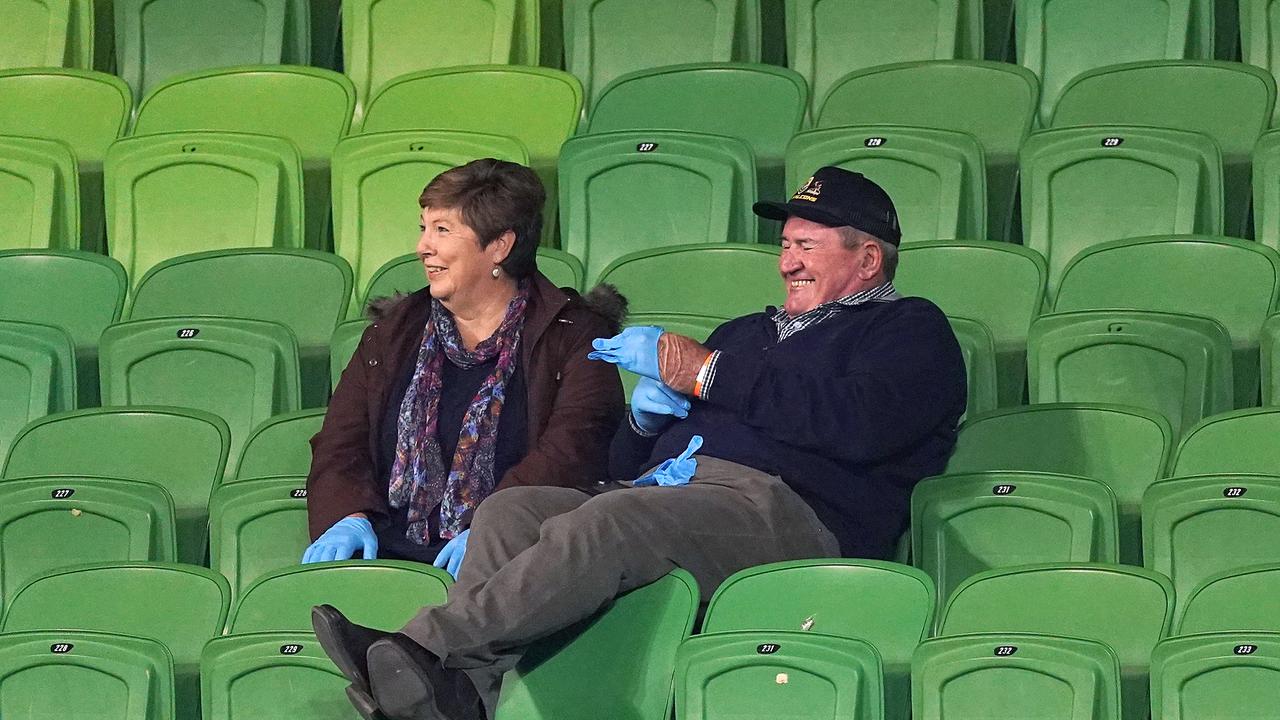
point(476, 383)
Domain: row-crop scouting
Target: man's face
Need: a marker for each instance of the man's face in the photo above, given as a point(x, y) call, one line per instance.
point(817, 267)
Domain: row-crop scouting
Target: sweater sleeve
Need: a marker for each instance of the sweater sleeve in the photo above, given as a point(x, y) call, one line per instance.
point(868, 404)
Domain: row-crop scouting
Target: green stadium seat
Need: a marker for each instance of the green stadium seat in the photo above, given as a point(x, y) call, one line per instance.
point(1266, 190)
point(826, 40)
point(1195, 527)
point(384, 594)
point(1234, 442)
point(343, 346)
point(257, 527)
point(377, 179)
point(39, 195)
point(1230, 102)
point(1271, 361)
point(158, 39)
point(310, 106)
point(954, 95)
point(243, 371)
point(962, 525)
point(182, 606)
point(183, 451)
point(35, 33)
point(999, 284)
point(1124, 447)
point(1177, 365)
point(937, 178)
point(979, 349)
point(266, 675)
point(1224, 675)
point(296, 48)
point(307, 291)
point(732, 279)
point(37, 375)
point(1257, 27)
point(179, 193)
point(1126, 608)
point(382, 41)
point(1059, 41)
point(628, 652)
point(888, 605)
point(562, 269)
point(776, 674)
point(95, 676)
point(281, 445)
point(1240, 600)
point(1085, 186)
point(1015, 675)
point(78, 291)
point(86, 110)
point(1168, 273)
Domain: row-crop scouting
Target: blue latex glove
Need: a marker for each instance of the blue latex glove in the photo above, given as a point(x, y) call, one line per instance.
point(341, 542)
point(634, 349)
point(676, 471)
point(450, 557)
point(653, 405)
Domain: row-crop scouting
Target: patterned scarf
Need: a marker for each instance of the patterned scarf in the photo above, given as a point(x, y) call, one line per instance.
point(419, 478)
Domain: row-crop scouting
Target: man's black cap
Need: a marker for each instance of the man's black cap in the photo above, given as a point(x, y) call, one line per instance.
point(837, 197)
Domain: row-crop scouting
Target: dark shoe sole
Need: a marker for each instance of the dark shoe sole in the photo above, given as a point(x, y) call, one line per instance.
point(364, 704)
point(323, 620)
point(401, 687)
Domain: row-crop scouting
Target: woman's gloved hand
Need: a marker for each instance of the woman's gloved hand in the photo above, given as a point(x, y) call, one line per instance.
point(450, 557)
point(634, 349)
point(654, 405)
point(343, 540)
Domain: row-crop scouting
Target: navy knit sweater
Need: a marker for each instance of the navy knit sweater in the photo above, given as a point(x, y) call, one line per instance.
point(851, 413)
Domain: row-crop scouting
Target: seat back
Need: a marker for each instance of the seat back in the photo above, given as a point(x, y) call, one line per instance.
point(257, 527)
point(732, 279)
point(962, 525)
point(628, 650)
point(952, 95)
point(561, 268)
point(1233, 600)
point(266, 674)
point(35, 34)
point(39, 194)
point(384, 594)
point(37, 375)
point(1015, 675)
point(1266, 190)
point(281, 445)
point(979, 350)
point(1215, 675)
point(1234, 442)
point(1271, 361)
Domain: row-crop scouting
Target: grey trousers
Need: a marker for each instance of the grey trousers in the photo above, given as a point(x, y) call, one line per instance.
point(542, 558)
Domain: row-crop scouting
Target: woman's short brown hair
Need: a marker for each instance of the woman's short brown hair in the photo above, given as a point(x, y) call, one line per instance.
point(494, 196)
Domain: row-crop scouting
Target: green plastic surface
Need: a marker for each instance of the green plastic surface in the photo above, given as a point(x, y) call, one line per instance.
point(809, 675)
point(1258, 23)
point(1266, 190)
point(39, 194)
point(1271, 361)
point(561, 268)
point(979, 350)
point(1236, 442)
point(618, 664)
point(257, 527)
point(271, 675)
point(37, 375)
point(724, 280)
point(1220, 675)
point(1233, 600)
point(281, 445)
point(35, 33)
point(384, 594)
point(937, 178)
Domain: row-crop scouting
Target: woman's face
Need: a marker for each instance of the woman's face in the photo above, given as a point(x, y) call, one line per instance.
point(455, 264)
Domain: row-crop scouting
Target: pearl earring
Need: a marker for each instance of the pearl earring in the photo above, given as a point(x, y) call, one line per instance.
point(496, 272)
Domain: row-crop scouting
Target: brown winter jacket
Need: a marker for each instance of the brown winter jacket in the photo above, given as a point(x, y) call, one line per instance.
point(574, 404)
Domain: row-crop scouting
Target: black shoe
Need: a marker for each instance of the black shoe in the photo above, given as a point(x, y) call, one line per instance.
point(346, 643)
point(409, 683)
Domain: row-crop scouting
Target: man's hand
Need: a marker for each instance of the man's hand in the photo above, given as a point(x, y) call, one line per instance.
point(654, 405)
point(679, 360)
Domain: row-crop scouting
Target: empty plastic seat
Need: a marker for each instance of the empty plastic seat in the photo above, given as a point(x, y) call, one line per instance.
point(281, 445)
point(384, 594)
point(628, 651)
point(829, 38)
point(86, 110)
point(1177, 365)
point(257, 527)
point(1245, 600)
point(962, 525)
point(1015, 675)
point(999, 284)
point(45, 675)
point(937, 178)
point(1124, 447)
point(384, 40)
point(888, 605)
point(1271, 361)
point(771, 674)
point(81, 33)
point(182, 606)
point(271, 674)
point(715, 280)
point(1258, 29)
point(307, 291)
point(346, 337)
point(37, 375)
point(1225, 675)
point(34, 33)
point(377, 179)
point(1085, 186)
point(1266, 190)
point(179, 193)
point(1126, 608)
point(310, 106)
point(1168, 273)
point(978, 347)
point(1230, 102)
point(158, 39)
point(627, 191)
point(39, 197)
point(952, 95)
point(561, 268)
point(1234, 442)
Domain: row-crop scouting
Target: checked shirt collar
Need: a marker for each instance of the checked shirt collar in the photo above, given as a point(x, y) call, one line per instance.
point(788, 326)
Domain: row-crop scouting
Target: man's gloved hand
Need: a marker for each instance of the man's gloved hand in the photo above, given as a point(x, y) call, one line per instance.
point(634, 349)
point(341, 542)
point(654, 405)
point(676, 471)
point(450, 557)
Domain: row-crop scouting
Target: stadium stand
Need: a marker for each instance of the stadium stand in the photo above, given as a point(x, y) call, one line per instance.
point(35, 34)
point(1214, 673)
point(41, 197)
point(1239, 600)
point(37, 374)
point(259, 674)
point(1234, 442)
point(979, 349)
point(278, 446)
point(256, 527)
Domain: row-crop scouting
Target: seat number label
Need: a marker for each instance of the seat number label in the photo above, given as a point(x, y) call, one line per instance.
point(1234, 492)
point(298, 493)
point(1003, 489)
point(646, 147)
point(875, 142)
point(188, 333)
point(1112, 142)
point(290, 649)
point(1006, 650)
point(60, 648)
point(62, 493)
point(768, 648)
point(1246, 649)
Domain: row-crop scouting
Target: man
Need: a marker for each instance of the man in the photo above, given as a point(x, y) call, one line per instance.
point(810, 424)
